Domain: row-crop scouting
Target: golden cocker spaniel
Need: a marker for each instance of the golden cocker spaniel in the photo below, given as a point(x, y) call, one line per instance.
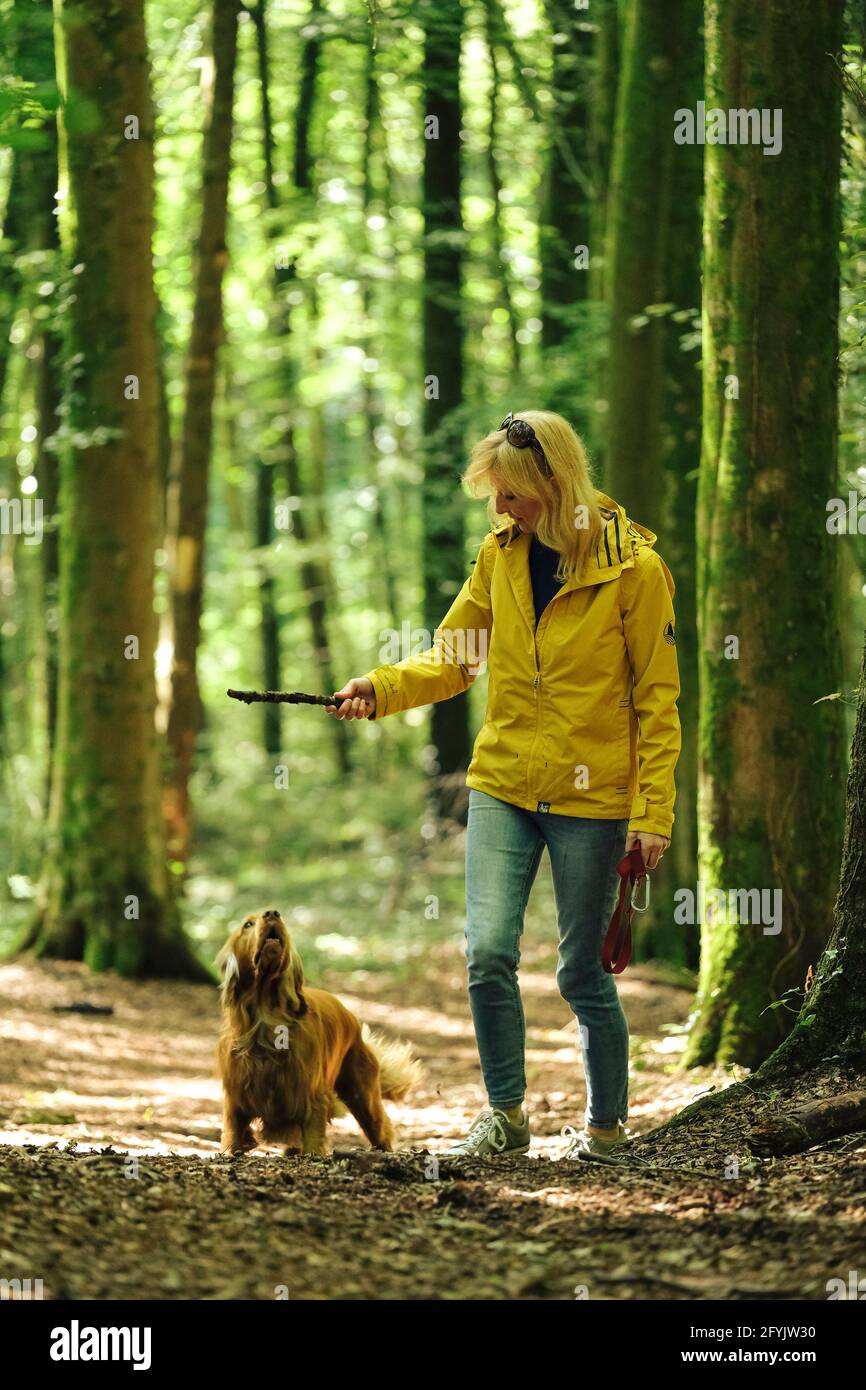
point(294, 1057)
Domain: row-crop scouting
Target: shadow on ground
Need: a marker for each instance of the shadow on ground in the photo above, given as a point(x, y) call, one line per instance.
point(111, 1184)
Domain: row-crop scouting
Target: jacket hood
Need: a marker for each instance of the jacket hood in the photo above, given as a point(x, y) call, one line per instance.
point(621, 537)
point(617, 546)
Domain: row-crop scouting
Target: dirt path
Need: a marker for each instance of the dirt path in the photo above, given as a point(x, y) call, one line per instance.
point(111, 1184)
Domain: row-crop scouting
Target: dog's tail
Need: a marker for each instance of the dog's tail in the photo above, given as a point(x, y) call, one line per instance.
point(400, 1072)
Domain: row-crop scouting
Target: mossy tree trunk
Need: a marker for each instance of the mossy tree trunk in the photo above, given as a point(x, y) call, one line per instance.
point(832, 1021)
point(443, 558)
point(189, 491)
point(771, 756)
point(679, 445)
point(106, 894)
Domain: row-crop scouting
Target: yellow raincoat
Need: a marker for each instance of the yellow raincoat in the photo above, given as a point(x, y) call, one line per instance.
point(581, 712)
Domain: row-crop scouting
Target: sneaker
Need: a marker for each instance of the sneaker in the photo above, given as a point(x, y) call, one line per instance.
point(594, 1149)
point(492, 1133)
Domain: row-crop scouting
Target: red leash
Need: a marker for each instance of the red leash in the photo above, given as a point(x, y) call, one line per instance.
point(616, 950)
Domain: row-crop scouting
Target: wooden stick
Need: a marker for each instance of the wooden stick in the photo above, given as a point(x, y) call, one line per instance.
point(281, 697)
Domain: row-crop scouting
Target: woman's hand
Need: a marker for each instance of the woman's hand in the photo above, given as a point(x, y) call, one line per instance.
point(652, 847)
point(357, 700)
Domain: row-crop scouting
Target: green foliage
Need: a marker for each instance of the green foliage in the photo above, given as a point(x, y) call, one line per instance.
point(350, 862)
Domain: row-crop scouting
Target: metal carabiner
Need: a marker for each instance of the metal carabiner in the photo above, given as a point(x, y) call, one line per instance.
point(645, 880)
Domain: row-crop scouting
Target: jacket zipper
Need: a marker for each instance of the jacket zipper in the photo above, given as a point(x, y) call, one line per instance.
point(536, 688)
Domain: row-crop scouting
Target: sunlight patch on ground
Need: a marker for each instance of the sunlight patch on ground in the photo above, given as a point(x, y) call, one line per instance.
point(143, 1079)
point(410, 1020)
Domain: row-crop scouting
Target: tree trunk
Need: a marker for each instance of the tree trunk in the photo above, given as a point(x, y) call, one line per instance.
point(371, 401)
point(815, 1123)
point(656, 43)
point(188, 512)
point(497, 235)
point(564, 222)
point(9, 278)
point(314, 569)
point(602, 116)
point(832, 1021)
point(771, 755)
point(107, 895)
point(34, 186)
point(679, 460)
point(443, 559)
point(271, 670)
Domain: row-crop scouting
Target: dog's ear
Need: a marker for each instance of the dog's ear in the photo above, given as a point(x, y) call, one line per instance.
point(230, 971)
point(294, 984)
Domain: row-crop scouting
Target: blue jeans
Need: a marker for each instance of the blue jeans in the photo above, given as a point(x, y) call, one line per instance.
point(503, 848)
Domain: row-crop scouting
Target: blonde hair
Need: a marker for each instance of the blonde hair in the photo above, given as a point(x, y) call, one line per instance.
point(569, 521)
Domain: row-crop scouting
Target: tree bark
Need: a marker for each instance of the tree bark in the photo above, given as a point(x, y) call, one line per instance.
point(832, 1020)
point(106, 895)
point(443, 559)
point(34, 186)
point(771, 748)
point(815, 1123)
point(602, 117)
point(679, 439)
point(271, 666)
point(564, 221)
point(657, 41)
point(9, 277)
point(188, 508)
point(308, 527)
point(371, 400)
point(497, 235)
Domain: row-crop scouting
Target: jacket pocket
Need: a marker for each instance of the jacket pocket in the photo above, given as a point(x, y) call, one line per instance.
point(623, 747)
point(603, 746)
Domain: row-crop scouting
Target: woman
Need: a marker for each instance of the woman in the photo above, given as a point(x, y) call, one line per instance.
point(571, 606)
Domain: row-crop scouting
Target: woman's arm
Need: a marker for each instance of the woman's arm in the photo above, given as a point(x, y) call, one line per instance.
point(459, 647)
point(648, 623)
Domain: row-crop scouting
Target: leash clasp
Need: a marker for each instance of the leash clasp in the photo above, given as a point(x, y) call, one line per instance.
point(634, 889)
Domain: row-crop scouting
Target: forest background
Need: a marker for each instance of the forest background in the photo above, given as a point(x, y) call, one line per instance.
point(373, 231)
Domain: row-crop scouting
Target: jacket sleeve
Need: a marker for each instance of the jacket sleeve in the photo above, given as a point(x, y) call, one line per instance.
point(459, 647)
point(648, 624)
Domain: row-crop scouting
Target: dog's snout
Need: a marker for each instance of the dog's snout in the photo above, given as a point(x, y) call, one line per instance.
point(270, 912)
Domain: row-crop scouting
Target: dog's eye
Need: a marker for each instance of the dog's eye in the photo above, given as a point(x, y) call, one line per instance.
point(247, 924)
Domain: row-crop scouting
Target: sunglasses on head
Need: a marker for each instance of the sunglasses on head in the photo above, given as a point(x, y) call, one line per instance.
point(521, 435)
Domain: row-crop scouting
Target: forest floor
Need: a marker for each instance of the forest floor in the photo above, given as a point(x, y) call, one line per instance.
point(111, 1184)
